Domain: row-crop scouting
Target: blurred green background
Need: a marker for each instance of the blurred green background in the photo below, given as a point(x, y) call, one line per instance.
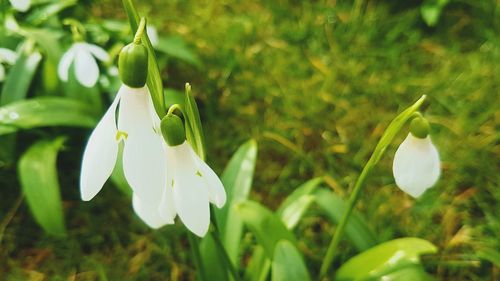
point(315, 83)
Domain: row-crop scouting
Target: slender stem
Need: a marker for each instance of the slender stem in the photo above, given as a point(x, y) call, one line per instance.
point(389, 134)
point(225, 256)
point(172, 108)
point(140, 30)
point(195, 250)
point(339, 231)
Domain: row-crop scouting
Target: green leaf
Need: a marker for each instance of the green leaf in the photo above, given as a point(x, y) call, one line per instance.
point(385, 257)
point(297, 203)
point(431, 11)
point(45, 13)
point(258, 266)
point(38, 175)
point(490, 254)
point(403, 271)
point(357, 229)
point(20, 77)
point(40, 112)
point(288, 264)
point(237, 179)
point(176, 47)
point(265, 225)
point(154, 82)
point(194, 132)
point(47, 39)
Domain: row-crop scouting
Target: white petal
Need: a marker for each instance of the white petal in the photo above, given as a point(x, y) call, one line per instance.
point(148, 212)
point(65, 63)
point(190, 192)
point(21, 5)
point(144, 163)
point(167, 206)
point(216, 192)
point(416, 165)
point(99, 157)
point(87, 71)
point(2, 73)
point(8, 56)
point(97, 52)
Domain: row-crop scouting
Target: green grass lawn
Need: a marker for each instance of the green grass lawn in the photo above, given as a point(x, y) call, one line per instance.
point(315, 83)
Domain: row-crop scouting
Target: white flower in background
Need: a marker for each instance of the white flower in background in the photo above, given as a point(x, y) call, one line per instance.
point(84, 57)
point(20, 5)
point(143, 161)
point(6, 56)
point(416, 165)
point(190, 185)
point(153, 35)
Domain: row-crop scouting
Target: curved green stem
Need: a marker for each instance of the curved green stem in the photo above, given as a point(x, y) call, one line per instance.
point(394, 127)
point(140, 31)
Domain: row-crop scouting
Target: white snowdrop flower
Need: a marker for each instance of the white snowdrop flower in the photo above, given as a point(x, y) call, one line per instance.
point(190, 183)
point(21, 5)
point(143, 162)
point(6, 56)
point(416, 165)
point(153, 35)
point(84, 57)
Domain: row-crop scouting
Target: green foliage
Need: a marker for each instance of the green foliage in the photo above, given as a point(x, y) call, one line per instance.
point(288, 264)
point(265, 225)
point(386, 259)
point(44, 111)
point(38, 176)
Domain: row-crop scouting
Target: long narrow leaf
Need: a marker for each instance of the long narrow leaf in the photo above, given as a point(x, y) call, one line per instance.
point(194, 131)
point(288, 264)
point(20, 76)
point(40, 112)
point(38, 175)
point(237, 179)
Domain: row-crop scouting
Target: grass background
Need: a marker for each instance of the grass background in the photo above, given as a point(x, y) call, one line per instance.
point(315, 83)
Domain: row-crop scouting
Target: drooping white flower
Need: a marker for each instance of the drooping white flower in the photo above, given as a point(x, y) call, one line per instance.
point(190, 185)
point(143, 160)
point(6, 56)
point(84, 57)
point(20, 5)
point(416, 165)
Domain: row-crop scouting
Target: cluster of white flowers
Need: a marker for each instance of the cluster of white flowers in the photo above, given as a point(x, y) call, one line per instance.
point(166, 180)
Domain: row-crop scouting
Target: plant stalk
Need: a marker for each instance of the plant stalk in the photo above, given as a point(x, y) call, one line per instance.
point(392, 130)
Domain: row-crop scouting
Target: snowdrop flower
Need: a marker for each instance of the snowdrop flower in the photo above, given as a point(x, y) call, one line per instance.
point(190, 184)
point(84, 57)
point(138, 127)
point(143, 164)
point(416, 165)
point(21, 5)
point(6, 56)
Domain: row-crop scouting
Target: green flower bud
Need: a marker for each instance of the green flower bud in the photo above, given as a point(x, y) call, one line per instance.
point(419, 127)
point(133, 65)
point(172, 130)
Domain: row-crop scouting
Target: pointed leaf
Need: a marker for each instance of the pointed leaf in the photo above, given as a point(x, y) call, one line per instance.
point(385, 257)
point(288, 264)
point(194, 131)
point(38, 175)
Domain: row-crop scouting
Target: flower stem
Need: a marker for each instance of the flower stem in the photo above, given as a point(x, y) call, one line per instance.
point(223, 252)
point(195, 250)
point(140, 30)
point(394, 127)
